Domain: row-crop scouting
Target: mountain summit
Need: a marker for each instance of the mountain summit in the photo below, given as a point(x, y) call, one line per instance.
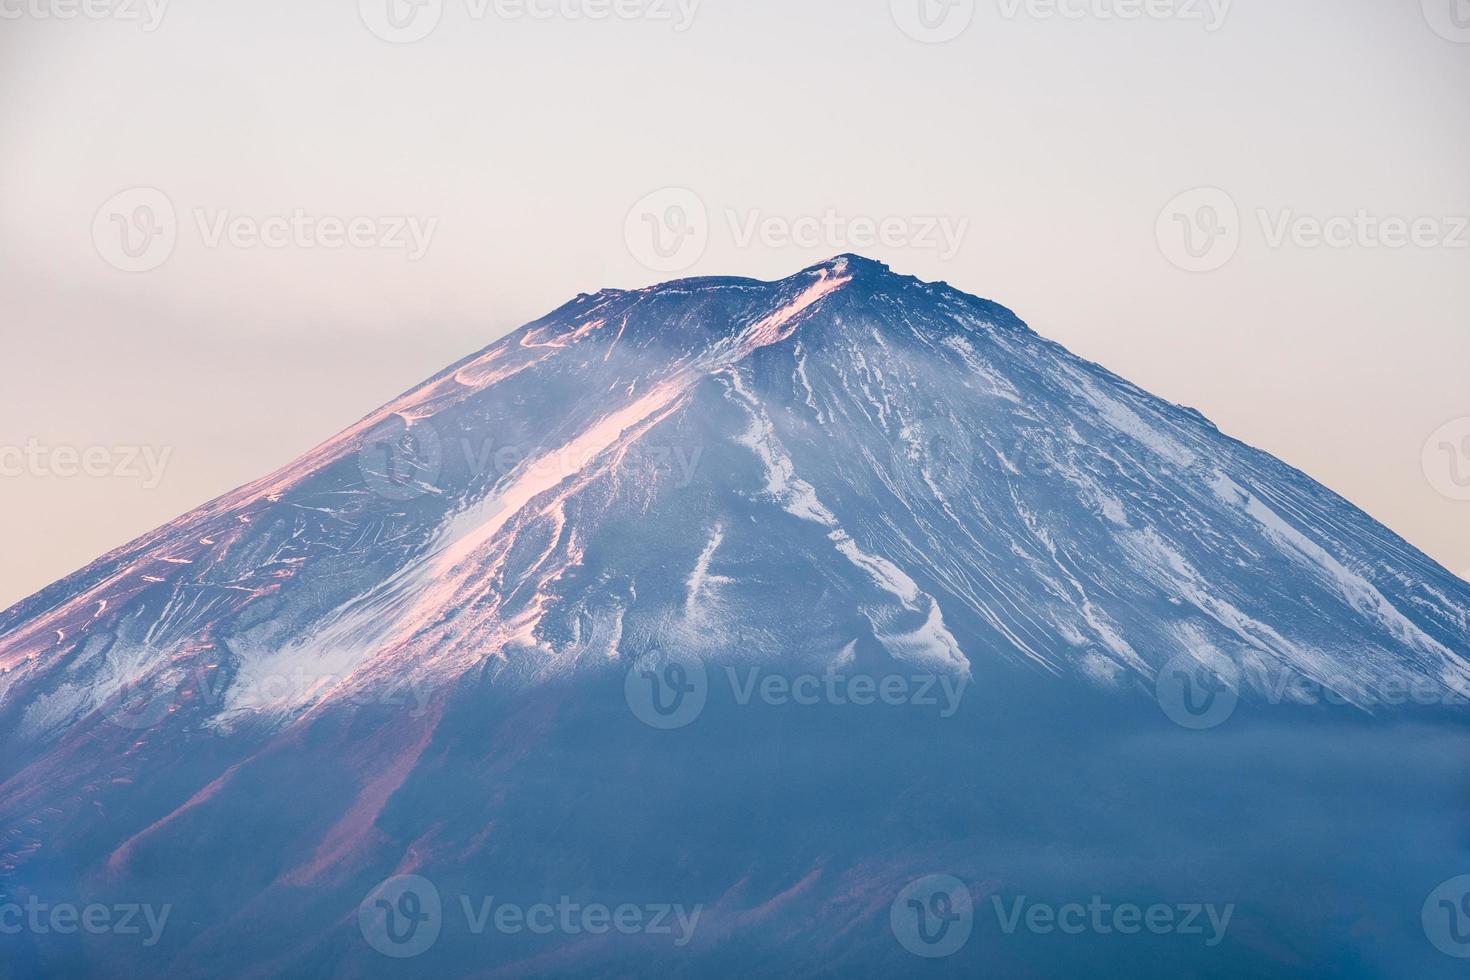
point(349, 667)
point(845, 459)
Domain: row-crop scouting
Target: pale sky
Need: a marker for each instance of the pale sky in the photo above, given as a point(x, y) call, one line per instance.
point(1050, 141)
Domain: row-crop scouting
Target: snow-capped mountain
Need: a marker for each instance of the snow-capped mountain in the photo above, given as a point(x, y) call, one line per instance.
point(365, 663)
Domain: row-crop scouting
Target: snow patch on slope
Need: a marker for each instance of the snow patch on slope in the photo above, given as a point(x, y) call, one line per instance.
point(931, 641)
point(1128, 422)
point(1358, 591)
point(700, 577)
point(994, 382)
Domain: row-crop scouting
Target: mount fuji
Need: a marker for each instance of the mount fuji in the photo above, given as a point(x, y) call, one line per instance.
point(761, 604)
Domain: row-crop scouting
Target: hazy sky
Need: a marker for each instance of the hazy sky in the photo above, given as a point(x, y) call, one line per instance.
point(1050, 141)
